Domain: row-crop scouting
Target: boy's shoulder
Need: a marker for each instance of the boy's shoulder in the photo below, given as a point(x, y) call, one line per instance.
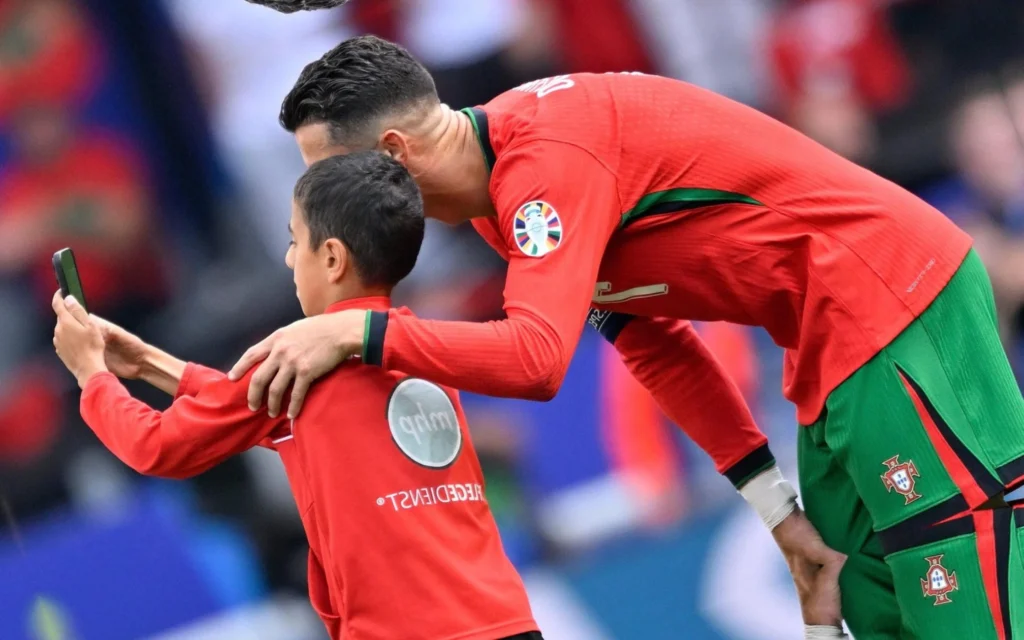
point(424, 419)
point(369, 385)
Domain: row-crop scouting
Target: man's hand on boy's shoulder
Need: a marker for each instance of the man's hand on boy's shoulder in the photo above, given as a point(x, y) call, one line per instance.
point(297, 355)
point(77, 339)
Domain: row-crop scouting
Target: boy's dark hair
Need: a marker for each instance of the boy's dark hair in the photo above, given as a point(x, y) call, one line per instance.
point(353, 86)
point(291, 6)
point(372, 205)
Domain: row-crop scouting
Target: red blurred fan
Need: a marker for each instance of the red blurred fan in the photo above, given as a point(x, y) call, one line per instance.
point(31, 411)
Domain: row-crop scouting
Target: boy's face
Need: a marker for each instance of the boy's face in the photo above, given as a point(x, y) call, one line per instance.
point(310, 273)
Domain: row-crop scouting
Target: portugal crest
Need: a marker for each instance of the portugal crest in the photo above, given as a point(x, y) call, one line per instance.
point(537, 229)
point(899, 477)
point(938, 583)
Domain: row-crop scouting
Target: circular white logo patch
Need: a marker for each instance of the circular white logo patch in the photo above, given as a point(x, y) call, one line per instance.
point(537, 229)
point(424, 424)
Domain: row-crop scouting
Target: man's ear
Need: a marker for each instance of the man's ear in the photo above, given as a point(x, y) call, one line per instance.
point(396, 145)
point(336, 260)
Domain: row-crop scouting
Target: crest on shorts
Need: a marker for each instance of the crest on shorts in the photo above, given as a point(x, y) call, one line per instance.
point(899, 477)
point(938, 583)
point(537, 229)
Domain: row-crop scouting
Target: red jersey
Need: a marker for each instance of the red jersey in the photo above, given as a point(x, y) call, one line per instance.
point(402, 542)
point(655, 198)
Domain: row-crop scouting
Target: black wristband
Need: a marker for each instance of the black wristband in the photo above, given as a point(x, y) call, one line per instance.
point(758, 460)
point(608, 323)
point(373, 337)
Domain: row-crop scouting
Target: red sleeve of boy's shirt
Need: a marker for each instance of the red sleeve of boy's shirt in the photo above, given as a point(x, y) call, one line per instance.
point(193, 380)
point(194, 434)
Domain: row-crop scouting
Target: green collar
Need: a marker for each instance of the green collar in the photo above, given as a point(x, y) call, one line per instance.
point(478, 117)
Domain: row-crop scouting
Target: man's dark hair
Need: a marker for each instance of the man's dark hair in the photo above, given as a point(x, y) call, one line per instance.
point(372, 205)
point(291, 6)
point(354, 85)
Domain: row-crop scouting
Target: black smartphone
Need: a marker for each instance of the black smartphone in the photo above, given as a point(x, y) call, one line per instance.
point(66, 270)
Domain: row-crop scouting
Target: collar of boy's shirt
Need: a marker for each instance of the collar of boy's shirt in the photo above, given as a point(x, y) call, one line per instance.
point(373, 303)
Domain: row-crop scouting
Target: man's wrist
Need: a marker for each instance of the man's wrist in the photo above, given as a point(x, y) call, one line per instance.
point(750, 466)
point(375, 325)
point(823, 632)
point(771, 496)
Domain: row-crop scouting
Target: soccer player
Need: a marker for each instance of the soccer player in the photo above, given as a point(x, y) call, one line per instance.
point(657, 201)
point(402, 542)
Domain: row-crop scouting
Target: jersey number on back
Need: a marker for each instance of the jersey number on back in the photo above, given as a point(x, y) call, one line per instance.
point(546, 86)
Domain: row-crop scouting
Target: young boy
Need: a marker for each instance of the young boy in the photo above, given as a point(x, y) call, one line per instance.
point(402, 543)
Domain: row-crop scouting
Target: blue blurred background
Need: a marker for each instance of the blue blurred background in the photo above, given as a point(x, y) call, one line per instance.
point(144, 133)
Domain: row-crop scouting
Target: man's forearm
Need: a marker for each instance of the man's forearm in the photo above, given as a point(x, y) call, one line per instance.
point(668, 358)
point(162, 370)
point(521, 357)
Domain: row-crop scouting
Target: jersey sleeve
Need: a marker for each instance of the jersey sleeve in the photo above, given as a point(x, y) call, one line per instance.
point(556, 208)
point(487, 228)
point(689, 385)
point(196, 376)
point(195, 433)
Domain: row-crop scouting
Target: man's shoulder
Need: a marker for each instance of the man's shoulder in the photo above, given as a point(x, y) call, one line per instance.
point(556, 102)
point(562, 108)
point(559, 120)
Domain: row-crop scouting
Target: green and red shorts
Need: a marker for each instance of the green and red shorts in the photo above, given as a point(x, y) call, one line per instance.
point(905, 472)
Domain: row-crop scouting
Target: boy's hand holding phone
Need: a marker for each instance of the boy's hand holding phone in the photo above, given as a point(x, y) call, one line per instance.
point(77, 339)
point(125, 354)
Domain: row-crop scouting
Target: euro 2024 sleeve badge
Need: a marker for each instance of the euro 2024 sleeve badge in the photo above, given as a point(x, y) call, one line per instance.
point(537, 229)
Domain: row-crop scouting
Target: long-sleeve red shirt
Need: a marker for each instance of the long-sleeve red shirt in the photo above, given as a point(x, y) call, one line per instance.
point(654, 198)
point(389, 489)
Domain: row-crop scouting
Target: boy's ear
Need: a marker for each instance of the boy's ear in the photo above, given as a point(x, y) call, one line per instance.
point(336, 260)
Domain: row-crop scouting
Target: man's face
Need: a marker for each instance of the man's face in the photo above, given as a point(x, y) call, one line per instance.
point(308, 271)
point(315, 144)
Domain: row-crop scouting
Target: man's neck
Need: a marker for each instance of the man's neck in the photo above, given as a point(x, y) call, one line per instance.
point(458, 179)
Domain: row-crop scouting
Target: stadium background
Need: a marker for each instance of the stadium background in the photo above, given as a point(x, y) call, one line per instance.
point(144, 134)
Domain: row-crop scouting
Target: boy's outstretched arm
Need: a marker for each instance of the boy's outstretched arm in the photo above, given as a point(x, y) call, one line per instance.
point(127, 356)
point(194, 434)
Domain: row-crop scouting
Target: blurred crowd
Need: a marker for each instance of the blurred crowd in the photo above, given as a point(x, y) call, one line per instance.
point(145, 136)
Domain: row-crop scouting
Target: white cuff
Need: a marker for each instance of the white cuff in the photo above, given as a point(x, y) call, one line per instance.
point(771, 496)
point(823, 632)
